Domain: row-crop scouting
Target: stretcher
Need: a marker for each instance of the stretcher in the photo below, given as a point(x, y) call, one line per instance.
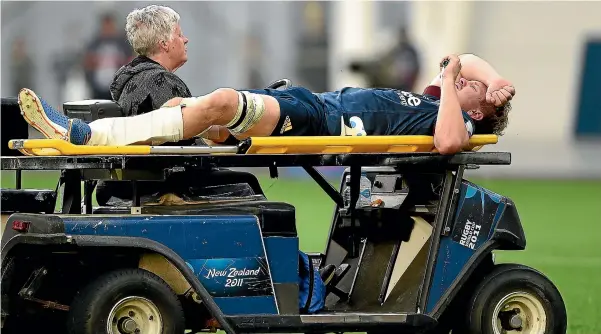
point(253, 146)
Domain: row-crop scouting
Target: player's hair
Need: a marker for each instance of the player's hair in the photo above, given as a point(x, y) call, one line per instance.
point(148, 26)
point(495, 119)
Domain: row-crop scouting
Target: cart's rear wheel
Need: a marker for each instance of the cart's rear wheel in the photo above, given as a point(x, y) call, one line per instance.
point(127, 301)
point(516, 299)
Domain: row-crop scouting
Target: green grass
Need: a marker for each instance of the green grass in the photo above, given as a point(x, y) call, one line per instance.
point(562, 220)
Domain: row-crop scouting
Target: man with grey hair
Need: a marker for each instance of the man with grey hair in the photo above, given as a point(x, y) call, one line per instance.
point(148, 81)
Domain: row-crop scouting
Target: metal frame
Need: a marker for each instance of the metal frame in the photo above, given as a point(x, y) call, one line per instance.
point(152, 167)
point(77, 168)
point(417, 161)
point(444, 217)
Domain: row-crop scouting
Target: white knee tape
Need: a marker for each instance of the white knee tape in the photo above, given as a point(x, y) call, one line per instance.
point(248, 114)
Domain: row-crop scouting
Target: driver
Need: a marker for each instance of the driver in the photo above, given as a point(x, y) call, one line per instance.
point(467, 97)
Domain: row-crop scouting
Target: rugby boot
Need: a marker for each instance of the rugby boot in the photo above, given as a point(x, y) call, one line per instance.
point(52, 123)
point(41, 116)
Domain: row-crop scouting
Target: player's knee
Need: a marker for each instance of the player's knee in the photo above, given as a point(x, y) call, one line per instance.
point(220, 102)
point(223, 99)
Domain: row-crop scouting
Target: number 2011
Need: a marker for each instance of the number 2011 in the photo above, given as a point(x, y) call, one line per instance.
point(231, 282)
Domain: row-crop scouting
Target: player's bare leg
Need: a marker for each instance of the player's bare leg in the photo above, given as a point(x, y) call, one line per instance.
point(243, 113)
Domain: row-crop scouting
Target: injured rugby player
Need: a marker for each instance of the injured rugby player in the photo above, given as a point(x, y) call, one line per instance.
point(467, 97)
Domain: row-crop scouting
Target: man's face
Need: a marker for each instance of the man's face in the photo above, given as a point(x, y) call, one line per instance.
point(178, 50)
point(471, 95)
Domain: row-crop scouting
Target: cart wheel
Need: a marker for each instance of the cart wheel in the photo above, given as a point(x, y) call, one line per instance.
point(516, 299)
point(131, 301)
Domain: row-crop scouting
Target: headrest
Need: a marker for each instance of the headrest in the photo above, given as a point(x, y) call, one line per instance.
point(13, 125)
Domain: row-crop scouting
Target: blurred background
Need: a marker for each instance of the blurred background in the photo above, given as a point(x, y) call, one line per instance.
point(548, 50)
point(551, 51)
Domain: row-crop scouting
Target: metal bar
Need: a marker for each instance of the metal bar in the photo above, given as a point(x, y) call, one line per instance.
point(88, 189)
point(135, 194)
point(72, 192)
point(389, 269)
point(325, 185)
point(364, 245)
point(417, 161)
point(18, 179)
point(436, 234)
point(193, 149)
point(332, 322)
point(450, 212)
point(355, 190)
point(355, 318)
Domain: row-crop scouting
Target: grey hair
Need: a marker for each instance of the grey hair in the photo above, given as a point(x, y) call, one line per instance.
point(148, 26)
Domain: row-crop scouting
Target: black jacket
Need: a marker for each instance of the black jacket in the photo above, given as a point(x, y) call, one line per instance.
point(141, 86)
point(144, 85)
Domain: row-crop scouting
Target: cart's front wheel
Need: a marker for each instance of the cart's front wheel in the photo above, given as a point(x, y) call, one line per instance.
point(129, 301)
point(517, 299)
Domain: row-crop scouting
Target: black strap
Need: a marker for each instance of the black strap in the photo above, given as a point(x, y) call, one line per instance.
point(242, 115)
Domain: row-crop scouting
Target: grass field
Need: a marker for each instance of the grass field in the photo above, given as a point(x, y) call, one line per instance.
point(562, 220)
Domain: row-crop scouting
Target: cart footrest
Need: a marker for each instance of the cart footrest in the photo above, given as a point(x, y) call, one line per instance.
point(331, 322)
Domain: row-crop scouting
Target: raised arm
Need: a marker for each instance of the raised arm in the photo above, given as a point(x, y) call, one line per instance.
point(450, 134)
point(499, 90)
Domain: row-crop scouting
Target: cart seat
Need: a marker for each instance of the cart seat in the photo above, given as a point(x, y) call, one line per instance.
point(275, 218)
point(13, 126)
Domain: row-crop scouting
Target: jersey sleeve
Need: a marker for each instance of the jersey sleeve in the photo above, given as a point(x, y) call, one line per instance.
point(433, 92)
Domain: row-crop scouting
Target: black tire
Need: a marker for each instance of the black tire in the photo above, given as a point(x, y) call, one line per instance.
point(509, 278)
point(91, 307)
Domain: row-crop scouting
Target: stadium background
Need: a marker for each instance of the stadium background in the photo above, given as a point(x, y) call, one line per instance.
point(550, 50)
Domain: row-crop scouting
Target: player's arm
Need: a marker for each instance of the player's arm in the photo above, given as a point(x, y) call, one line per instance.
point(499, 91)
point(450, 133)
point(472, 68)
point(477, 69)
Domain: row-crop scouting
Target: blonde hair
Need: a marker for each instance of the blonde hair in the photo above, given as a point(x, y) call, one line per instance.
point(148, 26)
point(495, 119)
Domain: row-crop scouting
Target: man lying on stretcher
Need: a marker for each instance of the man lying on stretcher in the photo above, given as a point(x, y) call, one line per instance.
point(468, 97)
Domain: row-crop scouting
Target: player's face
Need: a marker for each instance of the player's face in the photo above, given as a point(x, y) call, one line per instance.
point(471, 94)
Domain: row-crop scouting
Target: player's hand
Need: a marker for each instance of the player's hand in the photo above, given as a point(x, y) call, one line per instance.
point(499, 92)
point(450, 67)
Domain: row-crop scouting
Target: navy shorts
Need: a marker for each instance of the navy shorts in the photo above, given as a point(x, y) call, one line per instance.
point(301, 112)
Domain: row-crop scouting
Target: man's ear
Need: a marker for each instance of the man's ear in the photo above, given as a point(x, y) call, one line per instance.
point(476, 114)
point(163, 45)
